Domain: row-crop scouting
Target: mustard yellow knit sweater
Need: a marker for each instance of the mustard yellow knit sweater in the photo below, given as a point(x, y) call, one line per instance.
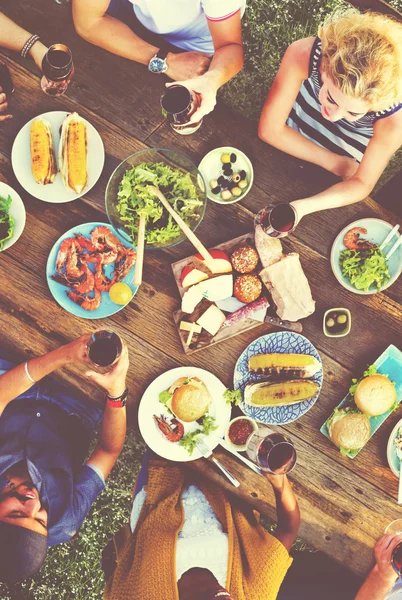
point(146, 570)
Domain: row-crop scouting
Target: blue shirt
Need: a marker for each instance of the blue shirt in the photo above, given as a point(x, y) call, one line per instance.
point(31, 430)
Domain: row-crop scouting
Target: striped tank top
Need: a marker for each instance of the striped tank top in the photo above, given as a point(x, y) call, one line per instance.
point(341, 137)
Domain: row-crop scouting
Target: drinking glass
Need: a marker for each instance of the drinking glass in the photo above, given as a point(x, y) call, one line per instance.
point(277, 220)
point(104, 348)
point(272, 452)
point(178, 104)
point(394, 527)
point(397, 559)
point(57, 69)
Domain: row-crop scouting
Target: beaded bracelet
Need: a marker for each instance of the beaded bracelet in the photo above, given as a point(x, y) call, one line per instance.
point(28, 45)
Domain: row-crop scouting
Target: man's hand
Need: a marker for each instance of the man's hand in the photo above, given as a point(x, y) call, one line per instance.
point(187, 65)
point(205, 90)
point(383, 555)
point(345, 167)
point(113, 382)
point(4, 106)
point(76, 351)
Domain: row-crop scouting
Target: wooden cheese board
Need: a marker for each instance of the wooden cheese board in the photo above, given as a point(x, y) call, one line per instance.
point(204, 339)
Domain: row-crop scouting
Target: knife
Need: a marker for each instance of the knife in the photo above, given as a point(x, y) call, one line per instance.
point(290, 325)
point(247, 462)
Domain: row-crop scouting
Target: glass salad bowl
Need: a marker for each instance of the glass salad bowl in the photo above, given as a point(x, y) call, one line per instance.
point(128, 195)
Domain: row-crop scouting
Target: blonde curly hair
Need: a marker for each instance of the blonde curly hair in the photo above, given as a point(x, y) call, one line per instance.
point(362, 54)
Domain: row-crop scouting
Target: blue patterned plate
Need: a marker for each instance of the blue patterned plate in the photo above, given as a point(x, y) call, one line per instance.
point(284, 342)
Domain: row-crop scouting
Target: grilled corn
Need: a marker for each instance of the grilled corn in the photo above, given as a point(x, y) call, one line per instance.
point(73, 153)
point(280, 393)
point(284, 365)
point(43, 161)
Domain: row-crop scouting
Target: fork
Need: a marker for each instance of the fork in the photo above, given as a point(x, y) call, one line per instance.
point(207, 452)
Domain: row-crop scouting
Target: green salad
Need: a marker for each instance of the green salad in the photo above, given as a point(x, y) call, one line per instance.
point(364, 268)
point(134, 199)
point(6, 221)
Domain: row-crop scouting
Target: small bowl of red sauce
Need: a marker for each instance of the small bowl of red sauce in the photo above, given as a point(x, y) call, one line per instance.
point(239, 432)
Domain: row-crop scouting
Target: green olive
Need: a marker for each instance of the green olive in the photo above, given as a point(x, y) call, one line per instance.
point(225, 158)
point(330, 323)
point(342, 319)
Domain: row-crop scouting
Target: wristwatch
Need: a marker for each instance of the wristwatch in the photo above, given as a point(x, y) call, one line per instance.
point(158, 63)
point(117, 401)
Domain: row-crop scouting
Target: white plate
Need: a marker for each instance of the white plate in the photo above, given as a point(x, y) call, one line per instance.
point(17, 210)
point(377, 231)
point(392, 457)
point(150, 406)
point(211, 166)
point(55, 192)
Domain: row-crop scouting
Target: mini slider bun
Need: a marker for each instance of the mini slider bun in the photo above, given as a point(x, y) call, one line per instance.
point(190, 400)
point(349, 431)
point(375, 395)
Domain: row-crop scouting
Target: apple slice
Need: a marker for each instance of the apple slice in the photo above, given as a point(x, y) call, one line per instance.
point(191, 276)
point(221, 262)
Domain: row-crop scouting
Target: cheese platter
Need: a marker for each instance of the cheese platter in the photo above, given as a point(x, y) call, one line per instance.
point(229, 297)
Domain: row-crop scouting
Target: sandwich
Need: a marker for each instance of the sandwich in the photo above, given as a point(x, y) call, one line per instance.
point(73, 152)
point(190, 399)
point(43, 162)
point(348, 429)
point(375, 395)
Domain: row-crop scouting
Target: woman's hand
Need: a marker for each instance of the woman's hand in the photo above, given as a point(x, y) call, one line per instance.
point(383, 555)
point(186, 65)
point(76, 351)
point(4, 106)
point(113, 382)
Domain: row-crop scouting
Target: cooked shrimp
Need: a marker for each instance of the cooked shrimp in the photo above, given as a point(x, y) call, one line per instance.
point(102, 283)
point(124, 263)
point(84, 301)
point(83, 285)
point(173, 434)
point(63, 253)
point(102, 237)
point(352, 239)
point(85, 242)
point(107, 257)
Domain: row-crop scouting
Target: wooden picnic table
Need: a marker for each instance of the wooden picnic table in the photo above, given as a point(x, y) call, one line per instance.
point(345, 504)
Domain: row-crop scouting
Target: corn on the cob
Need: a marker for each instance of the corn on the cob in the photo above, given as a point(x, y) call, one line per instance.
point(284, 365)
point(73, 153)
point(43, 161)
point(280, 393)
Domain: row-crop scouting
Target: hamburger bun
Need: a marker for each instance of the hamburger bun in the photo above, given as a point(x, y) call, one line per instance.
point(350, 431)
point(375, 395)
point(191, 400)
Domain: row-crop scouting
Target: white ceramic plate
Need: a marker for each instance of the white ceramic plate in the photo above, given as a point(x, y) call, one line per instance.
point(150, 406)
point(55, 192)
point(377, 231)
point(392, 457)
point(17, 210)
point(211, 168)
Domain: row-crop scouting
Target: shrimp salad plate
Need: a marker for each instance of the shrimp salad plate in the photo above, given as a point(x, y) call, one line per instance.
point(172, 437)
point(357, 261)
point(84, 264)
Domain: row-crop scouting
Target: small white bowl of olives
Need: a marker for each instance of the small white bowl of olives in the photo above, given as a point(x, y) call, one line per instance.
point(228, 174)
point(337, 322)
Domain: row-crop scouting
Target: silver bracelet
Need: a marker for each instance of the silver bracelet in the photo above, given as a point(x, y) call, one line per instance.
point(28, 374)
point(28, 45)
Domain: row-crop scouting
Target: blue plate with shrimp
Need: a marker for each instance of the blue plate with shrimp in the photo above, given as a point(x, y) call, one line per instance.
point(369, 232)
point(83, 265)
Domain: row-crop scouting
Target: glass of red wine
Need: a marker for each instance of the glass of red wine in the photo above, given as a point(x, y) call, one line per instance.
point(272, 452)
point(397, 559)
point(104, 348)
point(57, 69)
point(178, 104)
point(277, 220)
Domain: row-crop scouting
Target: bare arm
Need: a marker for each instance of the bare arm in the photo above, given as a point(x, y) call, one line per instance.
point(386, 140)
point(15, 382)
point(13, 37)
point(226, 62)
point(382, 577)
point(114, 422)
point(287, 510)
point(272, 127)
